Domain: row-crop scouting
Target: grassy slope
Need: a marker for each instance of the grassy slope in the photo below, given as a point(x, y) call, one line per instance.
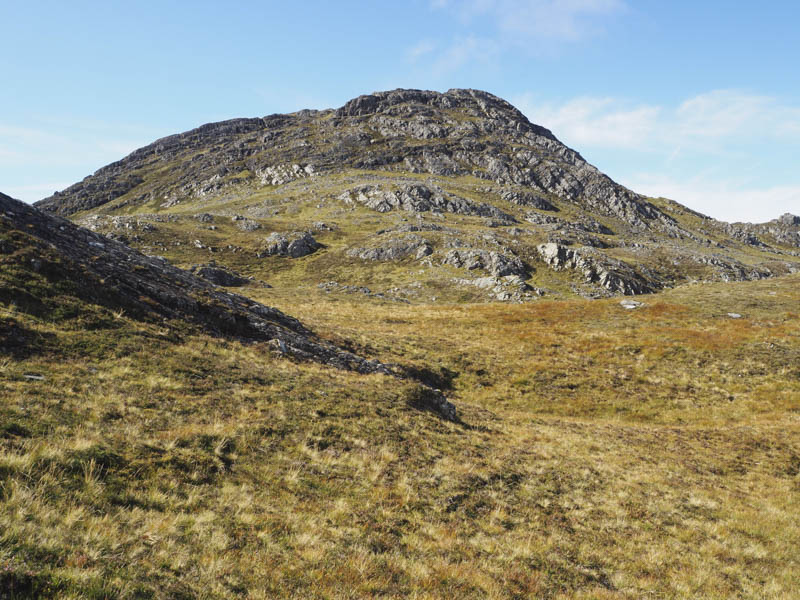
point(603, 453)
point(301, 203)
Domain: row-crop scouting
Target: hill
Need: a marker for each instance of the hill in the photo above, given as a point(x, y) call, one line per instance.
point(164, 437)
point(415, 195)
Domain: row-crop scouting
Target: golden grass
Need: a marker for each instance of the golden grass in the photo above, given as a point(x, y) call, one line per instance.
point(602, 453)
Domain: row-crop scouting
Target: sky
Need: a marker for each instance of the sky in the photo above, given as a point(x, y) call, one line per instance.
point(694, 101)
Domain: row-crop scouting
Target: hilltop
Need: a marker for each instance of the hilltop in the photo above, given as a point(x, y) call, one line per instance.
point(414, 195)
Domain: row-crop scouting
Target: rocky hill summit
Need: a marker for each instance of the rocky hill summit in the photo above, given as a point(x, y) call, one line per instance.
point(421, 195)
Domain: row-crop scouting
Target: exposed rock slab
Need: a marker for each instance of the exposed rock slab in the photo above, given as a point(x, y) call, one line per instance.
point(294, 245)
point(614, 276)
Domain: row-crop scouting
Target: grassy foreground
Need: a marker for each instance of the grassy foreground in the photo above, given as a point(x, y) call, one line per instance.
point(601, 453)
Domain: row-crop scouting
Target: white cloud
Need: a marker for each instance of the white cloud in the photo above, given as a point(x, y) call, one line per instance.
point(32, 193)
point(527, 20)
point(722, 152)
point(603, 122)
point(420, 49)
point(707, 120)
point(26, 146)
point(61, 151)
point(465, 51)
point(491, 27)
point(725, 199)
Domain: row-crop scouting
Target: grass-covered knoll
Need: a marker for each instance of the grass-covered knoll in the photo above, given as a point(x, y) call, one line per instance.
point(602, 453)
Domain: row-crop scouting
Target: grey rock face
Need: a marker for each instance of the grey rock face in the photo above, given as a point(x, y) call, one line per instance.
point(499, 265)
point(511, 288)
point(281, 174)
point(418, 198)
point(729, 269)
point(586, 224)
point(528, 199)
point(615, 276)
point(394, 249)
point(293, 245)
point(789, 219)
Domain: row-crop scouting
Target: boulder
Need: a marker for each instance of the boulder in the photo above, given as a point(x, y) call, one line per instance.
point(497, 264)
point(219, 275)
point(293, 245)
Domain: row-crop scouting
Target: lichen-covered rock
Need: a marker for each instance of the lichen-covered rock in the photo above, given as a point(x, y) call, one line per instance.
point(615, 276)
point(395, 248)
point(510, 288)
point(495, 263)
point(419, 198)
point(294, 245)
point(281, 174)
point(530, 199)
point(247, 225)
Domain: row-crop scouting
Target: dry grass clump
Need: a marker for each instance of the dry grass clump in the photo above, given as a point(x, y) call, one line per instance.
point(601, 453)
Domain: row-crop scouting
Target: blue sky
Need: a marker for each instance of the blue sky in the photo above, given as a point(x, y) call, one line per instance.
point(697, 101)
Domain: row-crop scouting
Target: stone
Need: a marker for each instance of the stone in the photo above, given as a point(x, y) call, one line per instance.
point(293, 245)
point(615, 276)
point(394, 249)
point(419, 198)
point(219, 275)
point(282, 174)
point(247, 225)
point(531, 199)
point(495, 263)
point(630, 304)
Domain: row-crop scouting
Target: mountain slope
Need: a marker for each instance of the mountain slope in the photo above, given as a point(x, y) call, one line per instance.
point(49, 264)
point(413, 193)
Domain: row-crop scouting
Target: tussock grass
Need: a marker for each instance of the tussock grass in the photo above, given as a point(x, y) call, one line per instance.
point(602, 453)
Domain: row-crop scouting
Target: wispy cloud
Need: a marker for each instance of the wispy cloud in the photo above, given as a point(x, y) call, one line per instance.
point(61, 152)
point(30, 193)
point(722, 152)
point(490, 27)
point(562, 20)
point(420, 49)
point(704, 121)
point(723, 198)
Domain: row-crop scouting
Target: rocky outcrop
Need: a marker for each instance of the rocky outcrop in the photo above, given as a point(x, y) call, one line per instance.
point(245, 224)
point(281, 174)
point(418, 198)
point(293, 245)
point(219, 275)
point(785, 230)
point(615, 276)
point(530, 199)
point(495, 263)
point(510, 288)
point(395, 248)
